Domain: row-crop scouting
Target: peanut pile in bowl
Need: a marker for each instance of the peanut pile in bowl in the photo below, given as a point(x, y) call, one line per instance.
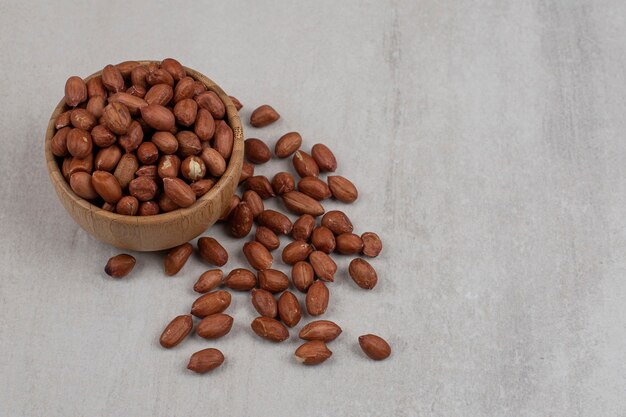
point(145, 139)
point(142, 139)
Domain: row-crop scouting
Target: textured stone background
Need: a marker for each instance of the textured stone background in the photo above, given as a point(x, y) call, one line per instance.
point(487, 141)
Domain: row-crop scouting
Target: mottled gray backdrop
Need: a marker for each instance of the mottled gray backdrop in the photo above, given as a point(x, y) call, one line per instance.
point(486, 139)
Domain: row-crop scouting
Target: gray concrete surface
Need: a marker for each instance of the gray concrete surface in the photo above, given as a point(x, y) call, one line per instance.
point(487, 142)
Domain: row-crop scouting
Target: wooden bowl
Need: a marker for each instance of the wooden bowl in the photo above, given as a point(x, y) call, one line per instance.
point(161, 231)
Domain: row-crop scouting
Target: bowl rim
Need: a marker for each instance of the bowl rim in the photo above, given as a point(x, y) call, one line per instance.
point(233, 168)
